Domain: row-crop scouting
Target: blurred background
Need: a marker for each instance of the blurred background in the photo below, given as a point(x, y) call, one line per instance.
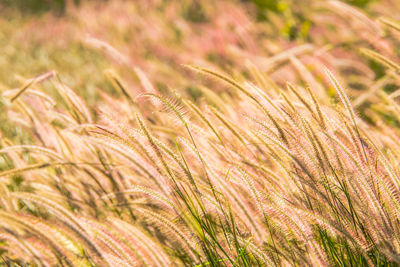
point(82, 39)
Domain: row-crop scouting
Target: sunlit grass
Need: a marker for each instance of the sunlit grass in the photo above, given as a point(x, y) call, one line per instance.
point(185, 136)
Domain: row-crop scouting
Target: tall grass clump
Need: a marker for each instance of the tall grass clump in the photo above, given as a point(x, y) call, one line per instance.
point(241, 168)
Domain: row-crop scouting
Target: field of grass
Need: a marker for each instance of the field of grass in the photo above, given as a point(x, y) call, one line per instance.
point(200, 133)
